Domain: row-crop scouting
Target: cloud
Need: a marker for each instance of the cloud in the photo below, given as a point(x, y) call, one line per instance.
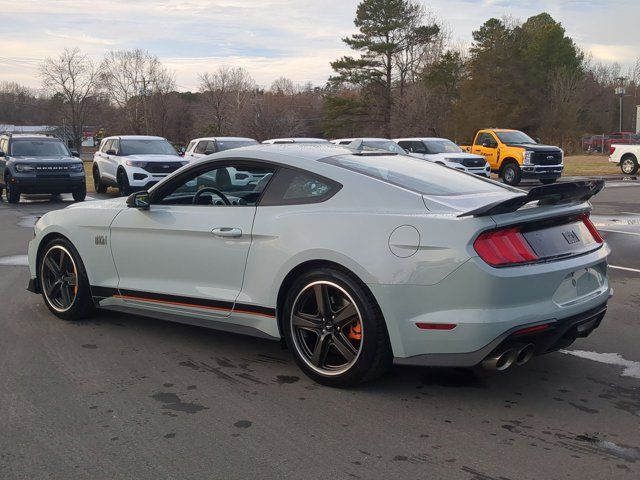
point(269, 38)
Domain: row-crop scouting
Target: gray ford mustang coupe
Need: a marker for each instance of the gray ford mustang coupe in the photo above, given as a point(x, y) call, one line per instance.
point(355, 259)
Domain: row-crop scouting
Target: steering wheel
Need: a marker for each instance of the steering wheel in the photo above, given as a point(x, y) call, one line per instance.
point(215, 191)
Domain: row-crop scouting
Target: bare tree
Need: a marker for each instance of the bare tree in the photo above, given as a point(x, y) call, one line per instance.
point(225, 93)
point(130, 77)
point(74, 76)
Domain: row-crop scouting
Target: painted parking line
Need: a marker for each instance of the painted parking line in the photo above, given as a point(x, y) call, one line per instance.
point(631, 368)
point(626, 269)
point(15, 261)
point(619, 231)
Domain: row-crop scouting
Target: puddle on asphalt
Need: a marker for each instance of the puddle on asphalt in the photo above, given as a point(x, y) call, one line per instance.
point(28, 221)
point(15, 261)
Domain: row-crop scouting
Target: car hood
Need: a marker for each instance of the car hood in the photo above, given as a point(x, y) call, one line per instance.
point(154, 158)
point(44, 159)
point(109, 204)
point(536, 147)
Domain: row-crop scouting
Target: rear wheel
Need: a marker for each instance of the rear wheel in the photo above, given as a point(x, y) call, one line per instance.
point(511, 174)
point(97, 181)
point(335, 330)
point(63, 281)
point(548, 181)
point(629, 165)
point(123, 184)
point(13, 193)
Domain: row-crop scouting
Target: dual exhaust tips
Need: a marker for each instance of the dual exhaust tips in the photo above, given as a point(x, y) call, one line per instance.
point(511, 354)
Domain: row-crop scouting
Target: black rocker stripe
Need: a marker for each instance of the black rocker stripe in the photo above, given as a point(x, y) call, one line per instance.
point(178, 300)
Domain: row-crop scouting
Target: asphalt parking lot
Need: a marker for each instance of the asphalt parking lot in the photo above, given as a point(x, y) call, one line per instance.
point(128, 397)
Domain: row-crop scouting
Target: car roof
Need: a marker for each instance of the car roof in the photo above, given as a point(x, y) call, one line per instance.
point(35, 136)
point(134, 137)
point(226, 139)
point(373, 139)
point(418, 139)
point(296, 140)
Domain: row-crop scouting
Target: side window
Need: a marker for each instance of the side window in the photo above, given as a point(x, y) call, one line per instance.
point(406, 145)
point(217, 186)
point(486, 137)
point(201, 147)
point(115, 145)
point(106, 146)
point(3, 146)
point(292, 187)
point(190, 147)
point(419, 147)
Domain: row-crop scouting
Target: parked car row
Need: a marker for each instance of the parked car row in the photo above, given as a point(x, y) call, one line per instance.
point(43, 164)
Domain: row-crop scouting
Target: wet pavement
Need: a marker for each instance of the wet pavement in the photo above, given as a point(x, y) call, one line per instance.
point(122, 396)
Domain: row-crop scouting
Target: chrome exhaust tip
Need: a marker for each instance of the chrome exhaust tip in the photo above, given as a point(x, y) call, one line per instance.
point(525, 353)
point(500, 360)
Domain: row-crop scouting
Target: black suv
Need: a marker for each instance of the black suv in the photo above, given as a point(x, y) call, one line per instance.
point(39, 164)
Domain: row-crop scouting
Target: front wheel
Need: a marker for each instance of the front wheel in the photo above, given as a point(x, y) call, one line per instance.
point(97, 181)
point(63, 281)
point(548, 181)
point(511, 174)
point(80, 194)
point(13, 194)
point(629, 165)
point(123, 184)
point(335, 329)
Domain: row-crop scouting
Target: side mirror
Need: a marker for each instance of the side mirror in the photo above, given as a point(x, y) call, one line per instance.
point(111, 152)
point(537, 139)
point(2, 154)
point(75, 153)
point(139, 200)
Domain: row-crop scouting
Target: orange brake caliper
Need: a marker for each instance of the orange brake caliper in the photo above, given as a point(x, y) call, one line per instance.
point(355, 332)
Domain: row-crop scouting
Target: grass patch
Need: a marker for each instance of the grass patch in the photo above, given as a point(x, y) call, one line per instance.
point(589, 165)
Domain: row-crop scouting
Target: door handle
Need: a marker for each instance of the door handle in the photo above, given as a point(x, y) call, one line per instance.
point(227, 232)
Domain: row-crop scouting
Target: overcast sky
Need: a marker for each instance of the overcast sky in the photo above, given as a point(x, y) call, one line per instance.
point(270, 38)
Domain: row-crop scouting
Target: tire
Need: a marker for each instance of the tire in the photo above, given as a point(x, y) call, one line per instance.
point(629, 165)
point(13, 193)
point(97, 181)
point(316, 345)
point(123, 184)
point(80, 194)
point(78, 303)
point(511, 174)
point(548, 181)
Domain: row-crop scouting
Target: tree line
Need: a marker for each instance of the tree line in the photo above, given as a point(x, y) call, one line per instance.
point(404, 78)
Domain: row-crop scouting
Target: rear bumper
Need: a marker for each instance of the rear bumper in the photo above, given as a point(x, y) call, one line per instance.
point(36, 185)
point(561, 334)
point(486, 305)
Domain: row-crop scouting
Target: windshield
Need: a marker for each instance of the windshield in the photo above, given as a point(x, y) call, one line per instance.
point(414, 174)
point(442, 146)
point(515, 137)
point(229, 144)
point(387, 145)
point(38, 148)
point(146, 147)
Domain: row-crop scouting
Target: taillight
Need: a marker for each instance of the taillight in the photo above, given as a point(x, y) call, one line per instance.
point(591, 227)
point(611, 150)
point(504, 247)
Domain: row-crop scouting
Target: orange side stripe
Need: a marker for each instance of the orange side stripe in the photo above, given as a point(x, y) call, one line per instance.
point(184, 304)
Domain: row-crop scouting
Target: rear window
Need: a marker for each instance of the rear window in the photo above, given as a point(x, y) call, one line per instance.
point(415, 174)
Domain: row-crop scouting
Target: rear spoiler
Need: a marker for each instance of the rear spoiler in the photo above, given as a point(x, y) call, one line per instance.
point(556, 194)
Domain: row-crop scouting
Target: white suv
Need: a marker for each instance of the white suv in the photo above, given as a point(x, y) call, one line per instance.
point(444, 152)
point(133, 162)
point(201, 147)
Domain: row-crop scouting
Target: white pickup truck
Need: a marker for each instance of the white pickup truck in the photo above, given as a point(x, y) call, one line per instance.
point(627, 156)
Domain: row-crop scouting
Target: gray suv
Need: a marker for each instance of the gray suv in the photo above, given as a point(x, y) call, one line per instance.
point(39, 164)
